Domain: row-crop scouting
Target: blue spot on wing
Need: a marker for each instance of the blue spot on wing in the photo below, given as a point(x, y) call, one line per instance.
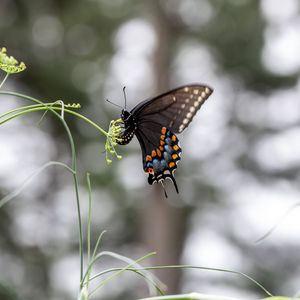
point(169, 149)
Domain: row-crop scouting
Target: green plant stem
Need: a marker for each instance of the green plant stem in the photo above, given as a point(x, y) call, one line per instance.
point(89, 224)
point(120, 271)
point(93, 259)
point(34, 108)
point(15, 193)
point(5, 78)
point(74, 167)
point(30, 110)
point(192, 296)
point(186, 267)
point(150, 279)
point(278, 223)
point(46, 106)
point(21, 109)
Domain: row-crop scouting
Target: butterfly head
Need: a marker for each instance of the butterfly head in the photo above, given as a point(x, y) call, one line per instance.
point(125, 115)
point(129, 127)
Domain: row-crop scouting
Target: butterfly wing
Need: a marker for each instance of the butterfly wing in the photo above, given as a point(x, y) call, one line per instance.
point(157, 120)
point(174, 109)
point(161, 152)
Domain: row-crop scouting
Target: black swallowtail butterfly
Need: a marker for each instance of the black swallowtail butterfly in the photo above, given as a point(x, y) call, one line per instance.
point(155, 122)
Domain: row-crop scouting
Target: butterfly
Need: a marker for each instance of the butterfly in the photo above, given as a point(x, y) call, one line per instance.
point(155, 121)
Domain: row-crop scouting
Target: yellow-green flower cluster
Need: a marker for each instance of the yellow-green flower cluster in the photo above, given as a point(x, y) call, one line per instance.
point(73, 105)
point(115, 129)
point(9, 64)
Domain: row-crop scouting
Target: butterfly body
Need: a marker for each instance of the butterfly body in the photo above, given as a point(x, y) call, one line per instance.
point(155, 121)
point(130, 128)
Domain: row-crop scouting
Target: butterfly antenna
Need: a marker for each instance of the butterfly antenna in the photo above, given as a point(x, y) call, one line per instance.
point(166, 195)
point(125, 98)
point(114, 104)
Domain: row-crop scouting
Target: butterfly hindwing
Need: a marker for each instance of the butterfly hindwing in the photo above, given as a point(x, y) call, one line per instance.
point(160, 159)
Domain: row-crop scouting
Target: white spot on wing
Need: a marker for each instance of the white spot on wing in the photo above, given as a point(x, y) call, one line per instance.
point(186, 89)
point(196, 92)
point(185, 121)
point(183, 106)
point(192, 109)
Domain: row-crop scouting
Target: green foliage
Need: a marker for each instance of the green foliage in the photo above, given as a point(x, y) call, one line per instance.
point(115, 129)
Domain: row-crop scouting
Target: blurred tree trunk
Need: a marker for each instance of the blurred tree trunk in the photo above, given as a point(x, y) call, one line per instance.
point(163, 223)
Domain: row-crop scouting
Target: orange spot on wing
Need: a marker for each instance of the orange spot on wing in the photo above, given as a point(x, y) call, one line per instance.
point(162, 137)
point(153, 153)
point(148, 158)
point(174, 156)
point(175, 147)
point(158, 152)
point(161, 143)
point(171, 164)
point(149, 170)
point(174, 138)
point(161, 148)
point(164, 130)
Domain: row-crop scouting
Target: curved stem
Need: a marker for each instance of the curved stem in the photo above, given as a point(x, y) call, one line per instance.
point(184, 267)
point(87, 120)
point(45, 107)
point(74, 167)
point(15, 193)
point(121, 270)
point(20, 109)
point(192, 296)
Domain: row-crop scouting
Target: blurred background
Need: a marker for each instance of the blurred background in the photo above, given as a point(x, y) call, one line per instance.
point(240, 168)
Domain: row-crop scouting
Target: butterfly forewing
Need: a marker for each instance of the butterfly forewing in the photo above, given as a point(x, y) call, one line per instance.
point(174, 109)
